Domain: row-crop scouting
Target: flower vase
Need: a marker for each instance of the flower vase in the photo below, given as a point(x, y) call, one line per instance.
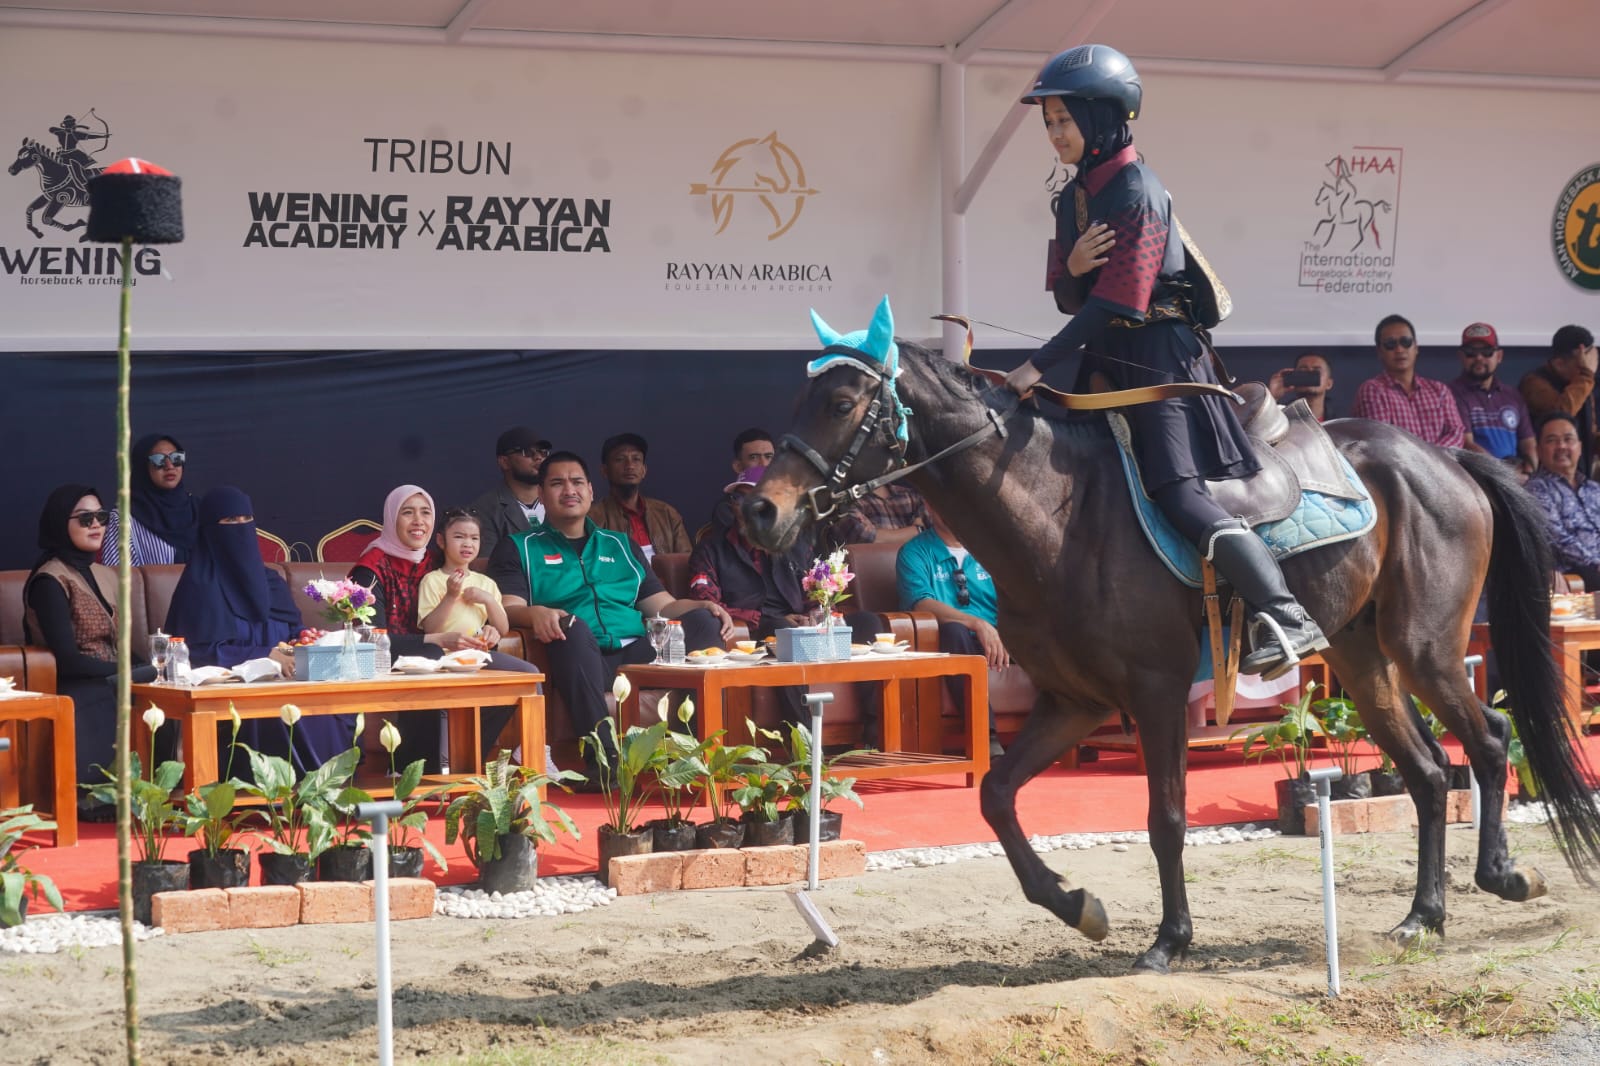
point(348, 671)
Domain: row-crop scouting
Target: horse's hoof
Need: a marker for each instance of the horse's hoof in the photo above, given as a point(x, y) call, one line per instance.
point(1535, 882)
point(1412, 930)
point(1152, 961)
point(1092, 923)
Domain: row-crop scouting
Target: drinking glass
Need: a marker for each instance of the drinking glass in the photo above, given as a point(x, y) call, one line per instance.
point(160, 643)
point(657, 628)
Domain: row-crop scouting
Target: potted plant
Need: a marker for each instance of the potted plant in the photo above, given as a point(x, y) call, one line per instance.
point(1290, 739)
point(500, 821)
point(623, 765)
point(17, 880)
point(724, 769)
point(1386, 780)
point(679, 766)
point(1342, 726)
point(829, 823)
point(299, 825)
point(408, 838)
point(154, 814)
point(763, 795)
point(347, 858)
point(211, 819)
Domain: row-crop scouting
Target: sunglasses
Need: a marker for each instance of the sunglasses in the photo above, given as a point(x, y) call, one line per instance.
point(89, 519)
point(538, 451)
point(160, 459)
point(963, 597)
point(1392, 343)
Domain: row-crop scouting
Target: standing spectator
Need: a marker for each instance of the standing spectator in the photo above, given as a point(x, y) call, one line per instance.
point(513, 505)
point(1566, 384)
point(1421, 406)
point(1494, 413)
point(655, 526)
point(1315, 396)
point(70, 608)
point(1571, 500)
point(166, 519)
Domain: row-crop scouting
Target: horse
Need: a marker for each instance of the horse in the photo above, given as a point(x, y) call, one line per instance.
point(64, 183)
point(1101, 627)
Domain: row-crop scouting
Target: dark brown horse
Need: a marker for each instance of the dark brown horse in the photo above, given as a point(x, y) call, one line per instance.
point(1101, 627)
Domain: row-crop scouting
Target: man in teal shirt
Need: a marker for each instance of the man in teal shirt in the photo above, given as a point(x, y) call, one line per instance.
point(937, 575)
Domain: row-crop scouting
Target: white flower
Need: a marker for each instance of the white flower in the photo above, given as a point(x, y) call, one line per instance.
point(290, 714)
point(389, 737)
point(686, 709)
point(154, 717)
point(361, 724)
point(621, 688)
point(233, 712)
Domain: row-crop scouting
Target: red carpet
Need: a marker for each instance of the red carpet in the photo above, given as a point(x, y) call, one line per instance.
point(1105, 796)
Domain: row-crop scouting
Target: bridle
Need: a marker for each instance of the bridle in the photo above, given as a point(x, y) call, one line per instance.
point(825, 498)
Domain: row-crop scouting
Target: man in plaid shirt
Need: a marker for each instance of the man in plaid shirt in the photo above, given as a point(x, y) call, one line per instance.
point(1421, 406)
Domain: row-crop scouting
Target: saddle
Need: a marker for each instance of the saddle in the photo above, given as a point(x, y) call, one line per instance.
point(1296, 456)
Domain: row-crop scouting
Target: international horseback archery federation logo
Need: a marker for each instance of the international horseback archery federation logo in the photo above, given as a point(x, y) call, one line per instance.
point(1355, 224)
point(1576, 229)
point(757, 170)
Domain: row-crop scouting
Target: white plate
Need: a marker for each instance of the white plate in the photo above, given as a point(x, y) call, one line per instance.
point(450, 667)
point(705, 660)
point(747, 656)
point(889, 649)
point(415, 670)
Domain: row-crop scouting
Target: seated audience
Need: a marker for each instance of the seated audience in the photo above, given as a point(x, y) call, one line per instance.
point(1495, 414)
point(393, 566)
point(1565, 384)
point(70, 608)
point(513, 505)
point(584, 591)
point(456, 599)
point(166, 519)
point(229, 607)
point(889, 514)
point(1315, 396)
point(1571, 500)
point(1401, 397)
point(753, 447)
point(655, 526)
point(935, 573)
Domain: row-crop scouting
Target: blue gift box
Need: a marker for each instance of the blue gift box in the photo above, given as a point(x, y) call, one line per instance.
point(808, 644)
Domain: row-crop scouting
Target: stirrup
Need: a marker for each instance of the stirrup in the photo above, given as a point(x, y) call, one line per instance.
point(1288, 655)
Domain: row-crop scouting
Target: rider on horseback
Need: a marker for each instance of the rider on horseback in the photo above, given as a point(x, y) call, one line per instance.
point(1133, 296)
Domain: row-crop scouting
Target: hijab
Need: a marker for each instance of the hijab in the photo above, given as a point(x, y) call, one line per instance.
point(225, 579)
point(1105, 131)
point(171, 514)
point(390, 543)
point(55, 542)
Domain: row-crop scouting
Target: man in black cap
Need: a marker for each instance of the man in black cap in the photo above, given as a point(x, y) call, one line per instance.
point(514, 505)
point(655, 526)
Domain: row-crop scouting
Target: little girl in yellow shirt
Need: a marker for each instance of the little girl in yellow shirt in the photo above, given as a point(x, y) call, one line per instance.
point(456, 599)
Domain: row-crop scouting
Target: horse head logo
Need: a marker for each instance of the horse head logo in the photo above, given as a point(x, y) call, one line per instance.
point(765, 168)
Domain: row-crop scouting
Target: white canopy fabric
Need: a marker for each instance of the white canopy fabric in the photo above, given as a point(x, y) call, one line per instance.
point(1516, 43)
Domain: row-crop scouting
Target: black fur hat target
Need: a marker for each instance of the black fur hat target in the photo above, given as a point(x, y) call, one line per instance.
point(138, 200)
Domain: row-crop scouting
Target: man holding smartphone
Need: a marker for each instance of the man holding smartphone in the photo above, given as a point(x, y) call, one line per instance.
point(1310, 379)
point(1495, 414)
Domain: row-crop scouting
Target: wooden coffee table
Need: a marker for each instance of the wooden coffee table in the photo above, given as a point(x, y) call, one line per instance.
point(1569, 639)
point(200, 711)
point(709, 684)
point(57, 710)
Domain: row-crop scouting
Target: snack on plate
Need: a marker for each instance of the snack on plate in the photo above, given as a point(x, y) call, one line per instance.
point(858, 649)
point(706, 653)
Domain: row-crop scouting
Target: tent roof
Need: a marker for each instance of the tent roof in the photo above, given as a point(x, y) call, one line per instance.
point(1530, 43)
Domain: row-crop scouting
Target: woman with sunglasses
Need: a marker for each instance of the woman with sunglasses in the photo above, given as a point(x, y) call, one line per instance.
point(71, 609)
point(166, 519)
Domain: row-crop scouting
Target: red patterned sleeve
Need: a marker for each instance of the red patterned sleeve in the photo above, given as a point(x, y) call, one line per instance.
point(1127, 281)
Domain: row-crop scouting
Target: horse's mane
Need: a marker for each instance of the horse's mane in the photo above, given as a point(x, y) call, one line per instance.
point(960, 383)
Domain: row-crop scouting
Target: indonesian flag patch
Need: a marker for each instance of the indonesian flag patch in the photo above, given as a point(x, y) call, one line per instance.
point(553, 559)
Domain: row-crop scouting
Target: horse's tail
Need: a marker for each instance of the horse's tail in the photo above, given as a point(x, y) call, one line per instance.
point(1520, 565)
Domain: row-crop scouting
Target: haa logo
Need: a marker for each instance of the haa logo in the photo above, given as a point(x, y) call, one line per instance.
point(763, 168)
point(1356, 208)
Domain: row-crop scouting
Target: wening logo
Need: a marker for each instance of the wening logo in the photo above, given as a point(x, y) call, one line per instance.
point(763, 168)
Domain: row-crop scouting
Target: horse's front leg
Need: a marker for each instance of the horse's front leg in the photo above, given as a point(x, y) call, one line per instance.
point(43, 201)
point(1051, 730)
point(1164, 737)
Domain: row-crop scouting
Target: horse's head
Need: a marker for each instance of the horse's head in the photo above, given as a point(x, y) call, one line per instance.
point(27, 156)
point(849, 428)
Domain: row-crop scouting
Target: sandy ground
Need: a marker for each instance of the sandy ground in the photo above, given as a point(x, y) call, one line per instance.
point(947, 964)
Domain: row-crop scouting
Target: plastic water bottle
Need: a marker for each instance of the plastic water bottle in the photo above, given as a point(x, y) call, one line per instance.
point(380, 652)
point(675, 646)
point(178, 661)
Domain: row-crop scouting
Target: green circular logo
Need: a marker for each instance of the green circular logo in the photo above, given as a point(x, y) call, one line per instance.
point(1575, 229)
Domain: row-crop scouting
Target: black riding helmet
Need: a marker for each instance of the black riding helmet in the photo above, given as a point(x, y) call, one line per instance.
point(1090, 72)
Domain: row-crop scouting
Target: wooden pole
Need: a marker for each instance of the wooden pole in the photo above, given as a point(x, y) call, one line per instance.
point(125, 663)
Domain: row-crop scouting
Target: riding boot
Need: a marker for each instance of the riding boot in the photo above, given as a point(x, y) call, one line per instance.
point(1281, 631)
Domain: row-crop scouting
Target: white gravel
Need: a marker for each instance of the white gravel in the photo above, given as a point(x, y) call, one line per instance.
point(550, 897)
point(907, 857)
point(47, 933)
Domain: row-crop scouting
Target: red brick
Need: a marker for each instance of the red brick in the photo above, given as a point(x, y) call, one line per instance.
point(327, 902)
point(1380, 814)
point(409, 897)
point(781, 864)
point(713, 868)
point(637, 875)
point(198, 911)
point(1344, 817)
point(842, 858)
point(264, 907)
point(1391, 814)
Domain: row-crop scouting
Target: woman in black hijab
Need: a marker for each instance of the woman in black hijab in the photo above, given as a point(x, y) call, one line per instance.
point(165, 517)
point(230, 607)
point(71, 609)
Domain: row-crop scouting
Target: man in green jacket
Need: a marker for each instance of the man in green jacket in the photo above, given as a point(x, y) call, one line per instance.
point(585, 592)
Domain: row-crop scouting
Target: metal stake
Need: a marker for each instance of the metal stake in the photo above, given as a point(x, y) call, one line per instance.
point(1323, 778)
point(1472, 663)
point(802, 902)
point(379, 814)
